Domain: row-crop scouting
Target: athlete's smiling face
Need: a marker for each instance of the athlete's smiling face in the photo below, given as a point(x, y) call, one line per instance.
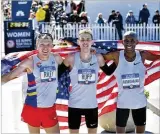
point(85, 42)
point(44, 47)
point(129, 43)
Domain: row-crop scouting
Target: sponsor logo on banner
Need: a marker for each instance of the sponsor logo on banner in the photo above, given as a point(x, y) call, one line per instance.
point(21, 9)
point(10, 43)
point(20, 13)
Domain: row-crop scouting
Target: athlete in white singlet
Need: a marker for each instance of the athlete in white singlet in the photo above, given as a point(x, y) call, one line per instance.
point(84, 67)
point(130, 76)
point(39, 107)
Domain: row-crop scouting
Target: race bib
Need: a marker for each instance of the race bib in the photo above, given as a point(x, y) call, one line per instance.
point(48, 73)
point(86, 76)
point(130, 81)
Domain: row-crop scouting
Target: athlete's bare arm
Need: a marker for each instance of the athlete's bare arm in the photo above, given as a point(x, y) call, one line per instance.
point(26, 65)
point(112, 56)
point(149, 56)
point(101, 60)
point(108, 70)
point(58, 58)
point(65, 64)
point(69, 61)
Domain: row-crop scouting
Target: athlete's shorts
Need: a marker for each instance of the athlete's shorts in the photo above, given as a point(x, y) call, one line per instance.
point(139, 116)
point(39, 117)
point(74, 117)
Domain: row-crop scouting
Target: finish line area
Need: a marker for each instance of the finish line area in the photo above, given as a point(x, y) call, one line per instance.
point(26, 31)
point(12, 104)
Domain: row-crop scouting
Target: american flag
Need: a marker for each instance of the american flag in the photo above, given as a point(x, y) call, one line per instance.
point(106, 87)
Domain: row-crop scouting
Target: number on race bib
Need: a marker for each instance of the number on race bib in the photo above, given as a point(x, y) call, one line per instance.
point(48, 74)
point(86, 76)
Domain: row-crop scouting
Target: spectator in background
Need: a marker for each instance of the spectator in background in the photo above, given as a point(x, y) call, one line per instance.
point(73, 6)
point(58, 11)
point(100, 20)
point(156, 21)
point(119, 24)
point(63, 22)
point(67, 7)
point(40, 17)
point(40, 14)
point(83, 18)
point(48, 14)
point(58, 5)
point(56, 2)
point(34, 7)
point(130, 19)
point(64, 19)
point(81, 7)
point(36, 1)
point(61, 2)
point(112, 17)
point(89, 18)
point(156, 18)
point(74, 18)
point(40, 2)
point(33, 18)
point(7, 13)
point(144, 15)
point(50, 4)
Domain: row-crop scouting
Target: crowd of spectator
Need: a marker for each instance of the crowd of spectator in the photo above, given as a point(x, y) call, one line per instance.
point(63, 12)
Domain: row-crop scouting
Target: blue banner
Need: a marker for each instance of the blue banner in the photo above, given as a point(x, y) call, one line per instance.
point(21, 9)
point(19, 36)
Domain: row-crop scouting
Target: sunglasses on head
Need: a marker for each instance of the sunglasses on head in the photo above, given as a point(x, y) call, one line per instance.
point(45, 36)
